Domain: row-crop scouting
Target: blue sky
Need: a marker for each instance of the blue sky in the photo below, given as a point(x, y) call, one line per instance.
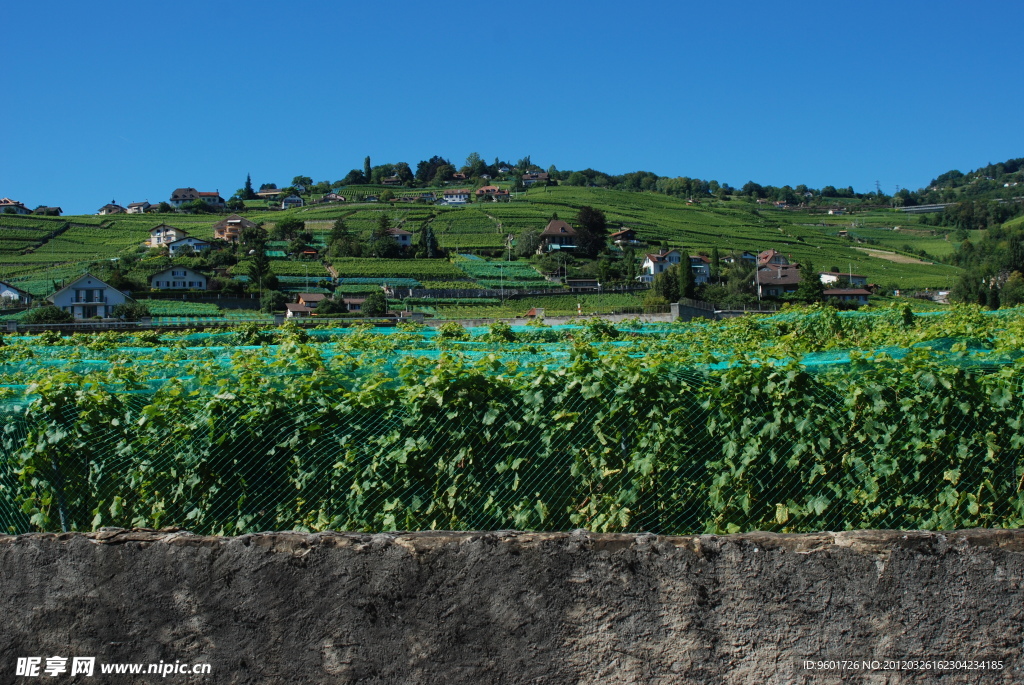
point(129, 100)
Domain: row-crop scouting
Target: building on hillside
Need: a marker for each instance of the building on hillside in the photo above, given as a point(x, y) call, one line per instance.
point(857, 295)
point(533, 177)
point(230, 229)
point(624, 237)
point(402, 237)
point(557, 236)
point(87, 297)
point(831, 277)
point(10, 296)
point(773, 258)
point(197, 245)
point(311, 299)
point(459, 176)
point(740, 258)
point(111, 208)
point(163, 234)
point(270, 194)
point(48, 211)
point(391, 181)
point(456, 196)
point(137, 207)
point(297, 310)
point(776, 280)
point(655, 264)
point(291, 202)
point(178, 278)
point(495, 194)
point(9, 206)
point(181, 196)
point(332, 197)
point(583, 285)
point(354, 304)
point(701, 268)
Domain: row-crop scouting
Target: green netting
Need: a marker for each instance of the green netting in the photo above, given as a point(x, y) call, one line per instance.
point(811, 422)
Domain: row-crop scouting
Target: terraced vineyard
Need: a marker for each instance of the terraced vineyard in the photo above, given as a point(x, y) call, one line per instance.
point(420, 269)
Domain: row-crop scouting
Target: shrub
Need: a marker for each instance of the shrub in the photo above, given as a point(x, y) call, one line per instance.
point(131, 311)
point(48, 314)
point(452, 330)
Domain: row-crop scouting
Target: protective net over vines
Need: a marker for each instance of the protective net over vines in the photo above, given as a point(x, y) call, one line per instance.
point(807, 420)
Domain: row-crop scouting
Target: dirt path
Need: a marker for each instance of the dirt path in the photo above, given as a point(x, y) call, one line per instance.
point(891, 256)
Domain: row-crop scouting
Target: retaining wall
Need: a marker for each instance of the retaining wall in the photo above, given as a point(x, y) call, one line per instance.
point(511, 607)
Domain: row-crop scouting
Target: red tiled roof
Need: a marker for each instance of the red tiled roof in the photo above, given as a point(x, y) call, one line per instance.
point(558, 227)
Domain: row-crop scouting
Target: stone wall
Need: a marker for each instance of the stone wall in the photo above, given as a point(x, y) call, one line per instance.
point(511, 607)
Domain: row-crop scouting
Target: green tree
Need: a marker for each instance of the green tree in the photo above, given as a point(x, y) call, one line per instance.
point(992, 301)
point(1013, 290)
point(666, 284)
point(592, 232)
point(811, 287)
point(443, 174)
point(247, 192)
point(367, 169)
point(331, 305)
point(273, 301)
point(716, 264)
point(259, 267)
point(428, 247)
point(302, 183)
point(630, 270)
point(527, 242)
point(687, 282)
point(342, 242)
point(376, 304)
point(387, 196)
point(287, 229)
point(130, 311)
point(48, 314)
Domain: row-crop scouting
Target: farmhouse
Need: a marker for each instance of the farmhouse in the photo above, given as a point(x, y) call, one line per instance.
point(775, 280)
point(741, 258)
point(858, 295)
point(178, 278)
point(269, 194)
point(230, 229)
point(402, 237)
point(392, 181)
point(456, 196)
point(111, 208)
point(9, 295)
point(295, 310)
point(87, 297)
point(48, 211)
point(625, 236)
point(557, 235)
point(534, 177)
point(196, 244)
point(311, 299)
point(9, 206)
point(163, 234)
point(291, 201)
point(493, 192)
point(182, 195)
point(830, 277)
point(772, 257)
point(701, 268)
point(138, 207)
point(332, 197)
point(655, 264)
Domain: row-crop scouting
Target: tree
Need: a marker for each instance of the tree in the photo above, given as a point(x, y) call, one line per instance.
point(354, 178)
point(342, 243)
point(273, 301)
point(444, 173)
point(716, 264)
point(592, 231)
point(666, 284)
point(811, 287)
point(428, 246)
point(247, 192)
point(382, 244)
point(367, 170)
point(992, 301)
point(528, 242)
point(259, 267)
point(302, 183)
point(687, 282)
point(376, 304)
point(387, 196)
point(48, 314)
point(1012, 293)
point(130, 311)
point(253, 236)
point(630, 270)
point(287, 229)
point(331, 305)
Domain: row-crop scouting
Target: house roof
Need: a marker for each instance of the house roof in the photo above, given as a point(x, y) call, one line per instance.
point(111, 207)
point(398, 231)
point(624, 231)
point(75, 282)
point(778, 275)
point(295, 307)
point(661, 256)
point(8, 202)
point(192, 240)
point(11, 287)
point(535, 176)
point(233, 221)
point(558, 227)
point(354, 300)
point(846, 291)
point(768, 255)
point(184, 194)
point(457, 191)
point(48, 210)
point(209, 194)
point(144, 203)
point(193, 272)
point(487, 190)
point(840, 274)
point(165, 227)
point(312, 297)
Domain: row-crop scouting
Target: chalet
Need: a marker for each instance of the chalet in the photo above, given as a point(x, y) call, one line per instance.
point(557, 235)
point(230, 229)
point(9, 206)
point(858, 295)
point(332, 197)
point(655, 264)
point(297, 310)
point(311, 299)
point(535, 177)
point(9, 295)
point(775, 280)
point(701, 268)
point(87, 297)
point(197, 245)
point(402, 237)
point(495, 193)
point(163, 234)
point(291, 202)
point(830, 277)
point(137, 207)
point(625, 236)
point(456, 196)
point(391, 181)
point(772, 257)
point(486, 190)
point(48, 211)
point(112, 208)
point(182, 195)
point(178, 278)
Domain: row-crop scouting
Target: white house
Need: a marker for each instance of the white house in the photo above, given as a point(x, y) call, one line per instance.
point(87, 297)
point(456, 196)
point(9, 206)
point(10, 295)
point(163, 234)
point(858, 295)
point(557, 235)
point(291, 201)
point(188, 241)
point(402, 237)
point(701, 268)
point(182, 195)
point(830, 277)
point(178, 278)
point(655, 264)
point(137, 207)
point(111, 208)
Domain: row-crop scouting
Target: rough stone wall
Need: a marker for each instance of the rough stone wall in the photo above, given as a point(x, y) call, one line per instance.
point(511, 607)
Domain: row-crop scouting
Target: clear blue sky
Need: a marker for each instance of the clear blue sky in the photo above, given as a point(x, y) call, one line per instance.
point(129, 100)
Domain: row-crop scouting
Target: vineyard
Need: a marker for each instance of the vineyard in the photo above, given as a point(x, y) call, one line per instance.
point(807, 420)
point(419, 269)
